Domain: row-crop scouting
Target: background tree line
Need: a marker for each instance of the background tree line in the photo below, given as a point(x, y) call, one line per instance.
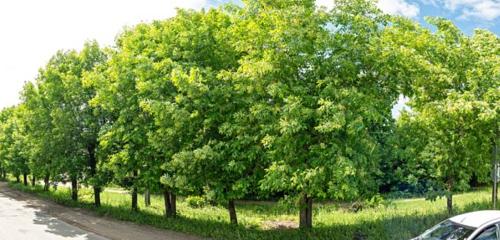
point(271, 99)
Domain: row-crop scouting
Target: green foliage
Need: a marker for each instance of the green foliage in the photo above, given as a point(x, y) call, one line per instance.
point(405, 170)
point(270, 99)
point(61, 127)
point(195, 201)
point(455, 114)
point(14, 150)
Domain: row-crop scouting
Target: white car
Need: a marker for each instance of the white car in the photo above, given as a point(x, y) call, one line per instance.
point(480, 225)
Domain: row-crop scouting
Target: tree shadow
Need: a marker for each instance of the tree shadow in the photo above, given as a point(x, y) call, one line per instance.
point(60, 228)
point(41, 216)
point(386, 228)
point(398, 227)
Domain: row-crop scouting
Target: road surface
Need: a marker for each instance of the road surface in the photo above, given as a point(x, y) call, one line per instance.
point(23, 216)
point(18, 220)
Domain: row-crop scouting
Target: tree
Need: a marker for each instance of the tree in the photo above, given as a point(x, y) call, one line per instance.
point(64, 127)
point(20, 151)
point(13, 148)
point(325, 92)
point(76, 120)
point(405, 169)
point(39, 137)
point(5, 138)
point(3, 160)
point(124, 138)
point(173, 80)
point(457, 104)
point(206, 148)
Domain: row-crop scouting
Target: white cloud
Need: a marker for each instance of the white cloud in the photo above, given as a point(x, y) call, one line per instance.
point(399, 7)
point(430, 2)
point(483, 9)
point(32, 31)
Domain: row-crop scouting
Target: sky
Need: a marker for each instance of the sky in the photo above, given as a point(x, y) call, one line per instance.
point(31, 31)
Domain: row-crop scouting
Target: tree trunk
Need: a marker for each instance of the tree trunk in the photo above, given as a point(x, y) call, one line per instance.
point(306, 204)
point(93, 170)
point(74, 189)
point(4, 174)
point(309, 213)
point(449, 195)
point(173, 204)
point(232, 212)
point(17, 179)
point(135, 207)
point(494, 192)
point(147, 198)
point(168, 203)
point(46, 182)
point(449, 203)
point(170, 200)
point(25, 179)
point(33, 181)
point(97, 196)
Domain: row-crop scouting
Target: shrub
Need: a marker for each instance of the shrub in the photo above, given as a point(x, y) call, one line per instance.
point(195, 201)
point(375, 201)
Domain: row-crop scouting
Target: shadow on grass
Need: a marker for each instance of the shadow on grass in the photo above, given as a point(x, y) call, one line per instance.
point(393, 228)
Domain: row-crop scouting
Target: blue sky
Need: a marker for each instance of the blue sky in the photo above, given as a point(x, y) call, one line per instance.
point(466, 14)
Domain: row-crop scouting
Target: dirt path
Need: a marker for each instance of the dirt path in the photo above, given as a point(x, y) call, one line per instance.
point(86, 220)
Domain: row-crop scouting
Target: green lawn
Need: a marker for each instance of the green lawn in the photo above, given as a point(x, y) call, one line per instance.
point(400, 219)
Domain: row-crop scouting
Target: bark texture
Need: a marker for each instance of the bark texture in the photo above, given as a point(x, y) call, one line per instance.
point(25, 179)
point(232, 212)
point(74, 189)
point(305, 218)
point(46, 183)
point(135, 207)
point(170, 200)
point(147, 198)
point(92, 161)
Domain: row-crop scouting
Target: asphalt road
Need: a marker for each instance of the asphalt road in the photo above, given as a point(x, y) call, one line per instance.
point(23, 216)
point(19, 220)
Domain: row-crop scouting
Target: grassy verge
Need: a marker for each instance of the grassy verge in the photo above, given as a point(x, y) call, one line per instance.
point(401, 219)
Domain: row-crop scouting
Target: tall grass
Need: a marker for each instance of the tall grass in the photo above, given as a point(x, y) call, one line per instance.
point(400, 219)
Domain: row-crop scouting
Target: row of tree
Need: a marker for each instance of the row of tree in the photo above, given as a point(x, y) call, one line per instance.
point(268, 99)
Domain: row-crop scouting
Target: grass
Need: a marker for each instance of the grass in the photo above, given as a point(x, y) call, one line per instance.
point(401, 219)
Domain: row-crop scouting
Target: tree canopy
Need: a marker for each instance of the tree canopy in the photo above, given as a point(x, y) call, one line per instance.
point(270, 99)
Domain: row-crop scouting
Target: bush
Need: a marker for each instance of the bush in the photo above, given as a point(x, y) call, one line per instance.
point(195, 201)
point(375, 201)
